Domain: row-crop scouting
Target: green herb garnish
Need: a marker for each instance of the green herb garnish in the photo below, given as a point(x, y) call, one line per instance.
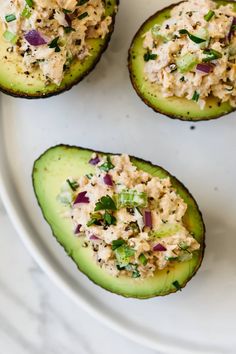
point(192, 37)
point(69, 29)
point(209, 15)
point(105, 203)
point(83, 15)
point(54, 44)
point(107, 166)
point(211, 54)
point(89, 175)
point(149, 56)
point(109, 219)
point(176, 285)
point(82, 2)
point(96, 219)
point(10, 18)
point(117, 243)
point(73, 185)
point(196, 96)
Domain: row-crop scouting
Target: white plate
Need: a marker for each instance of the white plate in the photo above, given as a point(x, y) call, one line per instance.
point(104, 113)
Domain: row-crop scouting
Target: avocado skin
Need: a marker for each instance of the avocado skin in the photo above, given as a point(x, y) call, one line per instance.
point(185, 102)
point(174, 180)
point(20, 94)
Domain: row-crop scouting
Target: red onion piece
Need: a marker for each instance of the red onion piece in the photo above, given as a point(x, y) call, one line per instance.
point(34, 38)
point(232, 30)
point(81, 198)
point(68, 19)
point(94, 237)
point(205, 68)
point(148, 218)
point(159, 247)
point(108, 180)
point(94, 161)
point(77, 230)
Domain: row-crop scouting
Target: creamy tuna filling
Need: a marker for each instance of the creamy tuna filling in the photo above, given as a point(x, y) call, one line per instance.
point(132, 221)
point(193, 53)
point(50, 34)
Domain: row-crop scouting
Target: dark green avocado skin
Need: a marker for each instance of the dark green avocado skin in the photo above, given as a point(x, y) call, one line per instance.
point(155, 108)
point(177, 184)
point(59, 90)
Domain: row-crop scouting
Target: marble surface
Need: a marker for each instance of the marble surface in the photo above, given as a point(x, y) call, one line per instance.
point(37, 318)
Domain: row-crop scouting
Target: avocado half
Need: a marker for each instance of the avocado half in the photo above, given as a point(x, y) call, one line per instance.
point(50, 172)
point(18, 84)
point(174, 107)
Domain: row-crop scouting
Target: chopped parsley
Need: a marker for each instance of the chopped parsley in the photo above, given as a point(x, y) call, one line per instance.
point(105, 203)
point(109, 219)
point(54, 44)
point(176, 285)
point(117, 243)
point(149, 56)
point(73, 185)
point(196, 96)
point(107, 166)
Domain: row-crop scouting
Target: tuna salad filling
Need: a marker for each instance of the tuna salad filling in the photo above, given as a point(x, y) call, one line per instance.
point(193, 53)
point(50, 34)
point(132, 221)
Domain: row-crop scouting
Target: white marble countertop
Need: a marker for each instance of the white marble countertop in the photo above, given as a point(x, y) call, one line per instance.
point(37, 318)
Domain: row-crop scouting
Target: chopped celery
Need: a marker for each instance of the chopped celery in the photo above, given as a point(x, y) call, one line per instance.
point(131, 198)
point(10, 37)
point(124, 254)
point(26, 12)
point(186, 62)
point(203, 33)
point(156, 34)
point(143, 259)
point(166, 230)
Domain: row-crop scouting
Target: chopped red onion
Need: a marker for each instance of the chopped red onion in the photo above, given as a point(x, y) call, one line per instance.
point(148, 218)
point(34, 38)
point(94, 237)
point(232, 29)
point(68, 19)
point(108, 180)
point(159, 247)
point(81, 198)
point(94, 161)
point(77, 230)
point(205, 68)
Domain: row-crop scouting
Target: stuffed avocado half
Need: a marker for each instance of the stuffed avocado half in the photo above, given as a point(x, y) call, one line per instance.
point(103, 210)
point(48, 47)
point(182, 60)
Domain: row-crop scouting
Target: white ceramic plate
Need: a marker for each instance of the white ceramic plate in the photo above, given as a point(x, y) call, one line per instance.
point(104, 113)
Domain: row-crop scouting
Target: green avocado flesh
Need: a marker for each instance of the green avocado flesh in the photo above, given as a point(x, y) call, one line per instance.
point(173, 107)
point(50, 172)
point(15, 82)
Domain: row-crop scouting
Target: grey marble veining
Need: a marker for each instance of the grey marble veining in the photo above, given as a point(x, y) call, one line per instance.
point(37, 318)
